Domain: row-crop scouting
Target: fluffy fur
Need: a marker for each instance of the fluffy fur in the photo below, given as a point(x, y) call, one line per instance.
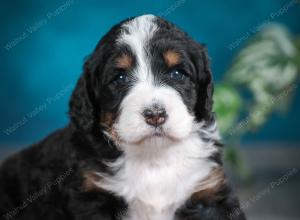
point(142, 143)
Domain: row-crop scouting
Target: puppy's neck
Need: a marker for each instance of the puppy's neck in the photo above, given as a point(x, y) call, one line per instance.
point(159, 181)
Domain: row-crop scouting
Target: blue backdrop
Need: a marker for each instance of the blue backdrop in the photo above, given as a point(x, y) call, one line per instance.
point(44, 43)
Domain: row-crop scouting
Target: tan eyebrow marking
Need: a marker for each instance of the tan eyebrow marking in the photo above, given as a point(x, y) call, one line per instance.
point(124, 61)
point(172, 58)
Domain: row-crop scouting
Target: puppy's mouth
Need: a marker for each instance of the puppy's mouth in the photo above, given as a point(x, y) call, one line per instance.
point(157, 134)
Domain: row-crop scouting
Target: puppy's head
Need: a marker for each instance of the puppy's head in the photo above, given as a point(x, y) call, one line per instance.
point(146, 81)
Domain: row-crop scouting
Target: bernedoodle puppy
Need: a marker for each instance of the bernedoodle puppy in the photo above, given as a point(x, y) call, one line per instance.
point(142, 142)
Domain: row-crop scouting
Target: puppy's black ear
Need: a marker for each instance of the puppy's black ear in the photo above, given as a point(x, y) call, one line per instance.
point(82, 109)
point(204, 104)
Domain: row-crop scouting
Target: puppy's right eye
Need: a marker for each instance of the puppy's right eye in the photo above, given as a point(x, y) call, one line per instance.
point(177, 75)
point(121, 79)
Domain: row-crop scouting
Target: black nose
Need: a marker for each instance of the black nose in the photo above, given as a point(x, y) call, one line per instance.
point(155, 116)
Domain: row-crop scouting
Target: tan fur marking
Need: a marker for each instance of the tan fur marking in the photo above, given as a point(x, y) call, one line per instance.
point(172, 58)
point(209, 188)
point(107, 119)
point(89, 180)
point(124, 61)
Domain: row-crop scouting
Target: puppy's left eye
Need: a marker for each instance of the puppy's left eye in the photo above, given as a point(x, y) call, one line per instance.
point(121, 79)
point(177, 75)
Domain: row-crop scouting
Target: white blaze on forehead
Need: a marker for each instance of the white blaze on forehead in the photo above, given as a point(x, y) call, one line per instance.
point(137, 35)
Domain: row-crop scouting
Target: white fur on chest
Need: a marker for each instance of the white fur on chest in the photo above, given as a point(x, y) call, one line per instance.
point(158, 181)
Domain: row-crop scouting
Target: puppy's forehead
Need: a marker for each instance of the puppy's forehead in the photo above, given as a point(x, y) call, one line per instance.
point(137, 32)
point(140, 35)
